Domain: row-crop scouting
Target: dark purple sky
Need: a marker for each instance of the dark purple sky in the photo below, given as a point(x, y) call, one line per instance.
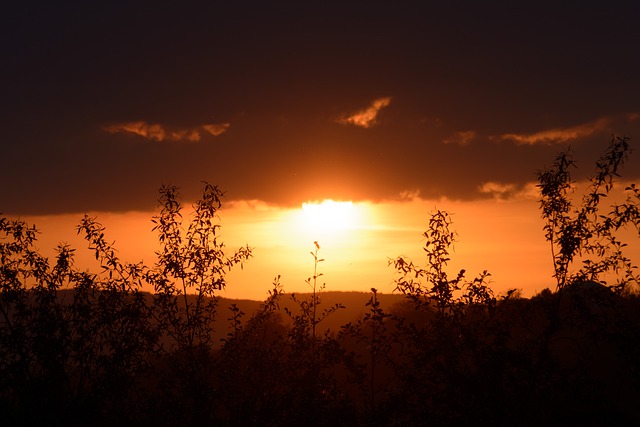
point(103, 103)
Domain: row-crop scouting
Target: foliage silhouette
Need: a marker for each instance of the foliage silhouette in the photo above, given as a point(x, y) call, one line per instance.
point(85, 352)
point(449, 295)
point(191, 268)
point(190, 262)
point(371, 330)
point(91, 348)
point(305, 323)
point(584, 231)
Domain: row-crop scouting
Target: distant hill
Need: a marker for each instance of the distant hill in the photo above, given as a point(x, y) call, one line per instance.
point(354, 307)
point(354, 303)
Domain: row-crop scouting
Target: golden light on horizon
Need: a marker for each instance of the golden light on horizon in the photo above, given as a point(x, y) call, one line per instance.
point(357, 239)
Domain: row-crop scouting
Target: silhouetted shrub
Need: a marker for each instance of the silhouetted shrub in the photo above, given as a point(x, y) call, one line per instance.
point(88, 348)
point(584, 233)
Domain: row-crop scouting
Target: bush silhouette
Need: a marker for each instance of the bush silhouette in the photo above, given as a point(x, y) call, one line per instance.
point(584, 231)
point(91, 348)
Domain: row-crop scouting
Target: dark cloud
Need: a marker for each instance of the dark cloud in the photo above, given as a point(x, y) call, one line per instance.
point(102, 104)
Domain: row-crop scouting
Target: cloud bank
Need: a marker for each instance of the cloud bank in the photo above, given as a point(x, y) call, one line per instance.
point(309, 103)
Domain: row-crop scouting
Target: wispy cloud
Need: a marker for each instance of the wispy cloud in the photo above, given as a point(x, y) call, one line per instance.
point(153, 132)
point(558, 135)
point(502, 191)
point(461, 138)
point(409, 195)
point(367, 117)
point(216, 129)
point(497, 189)
point(157, 132)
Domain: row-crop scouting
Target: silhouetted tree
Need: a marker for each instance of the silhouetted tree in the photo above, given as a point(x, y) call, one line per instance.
point(91, 348)
point(584, 232)
point(191, 269)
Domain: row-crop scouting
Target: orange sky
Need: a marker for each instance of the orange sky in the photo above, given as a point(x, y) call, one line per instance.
point(399, 107)
point(502, 237)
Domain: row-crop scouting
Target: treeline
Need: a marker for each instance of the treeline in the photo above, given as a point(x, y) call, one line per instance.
point(91, 348)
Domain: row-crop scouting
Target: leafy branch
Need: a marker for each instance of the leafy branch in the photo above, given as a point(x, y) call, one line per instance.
point(582, 232)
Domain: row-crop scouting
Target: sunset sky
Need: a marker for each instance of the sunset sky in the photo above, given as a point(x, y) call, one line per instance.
point(397, 107)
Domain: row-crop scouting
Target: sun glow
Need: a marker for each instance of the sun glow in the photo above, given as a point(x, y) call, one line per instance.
point(356, 238)
point(329, 215)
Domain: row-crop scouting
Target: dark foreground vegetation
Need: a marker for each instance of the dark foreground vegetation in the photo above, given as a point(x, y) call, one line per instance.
point(90, 348)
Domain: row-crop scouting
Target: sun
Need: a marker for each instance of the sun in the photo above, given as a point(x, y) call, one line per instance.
point(329, 215)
